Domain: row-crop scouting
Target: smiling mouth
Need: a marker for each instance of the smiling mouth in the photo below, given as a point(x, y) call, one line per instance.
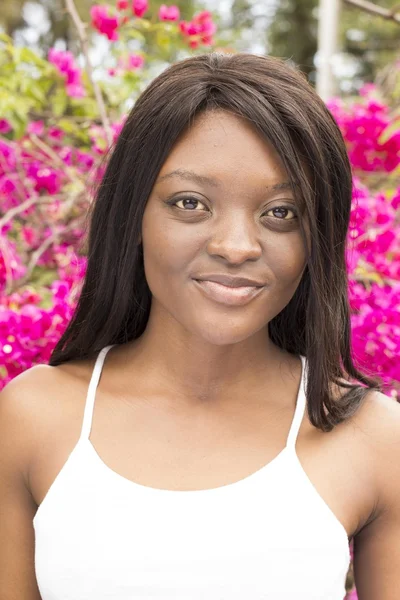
point(231, 296)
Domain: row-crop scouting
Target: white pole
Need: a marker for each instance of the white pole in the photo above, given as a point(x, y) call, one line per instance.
point(328, 25)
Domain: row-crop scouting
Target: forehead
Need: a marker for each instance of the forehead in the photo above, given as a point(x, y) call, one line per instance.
point(227, 145)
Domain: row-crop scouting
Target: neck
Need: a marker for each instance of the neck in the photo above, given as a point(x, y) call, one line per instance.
point(194, 372)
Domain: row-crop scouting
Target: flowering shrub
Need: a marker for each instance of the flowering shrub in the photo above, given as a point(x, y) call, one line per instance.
point(51, 141)
point(54, 129)
point(47, 167)
point(373, 141)
point(372, 136)
point(65, 63)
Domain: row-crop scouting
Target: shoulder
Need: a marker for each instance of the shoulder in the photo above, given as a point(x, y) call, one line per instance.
point(32, 405)
point(380, 422)
point(22, 400)
point(376, 546)
point(377, 425)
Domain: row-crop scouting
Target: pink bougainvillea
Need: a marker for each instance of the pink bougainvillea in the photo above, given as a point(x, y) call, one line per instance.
point(199, 30)
point(168, 13)
point(104, 21)
point(140, 7)
point(5, 126)
point(47, 171)
point(66, 65)
point(373, 256)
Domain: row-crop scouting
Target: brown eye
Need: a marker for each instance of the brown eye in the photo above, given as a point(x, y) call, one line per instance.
point(189, 203)
point(281, 212)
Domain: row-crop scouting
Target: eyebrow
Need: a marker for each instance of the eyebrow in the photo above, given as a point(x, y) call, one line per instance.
point(211, 181)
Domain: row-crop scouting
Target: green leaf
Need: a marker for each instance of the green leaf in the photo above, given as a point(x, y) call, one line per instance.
point(32, 89)
point(5, 38)
point(74, 129)
point(145, 24)
point(59, 101)
point(85, 107)
point(67, 126)
point(28, 56)
point(41, 276)
point(389, 131)
point(18, 125)
point(163, 40)
point(133, 34)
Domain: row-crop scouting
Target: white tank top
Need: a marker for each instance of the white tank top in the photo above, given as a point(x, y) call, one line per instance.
point(269, 536)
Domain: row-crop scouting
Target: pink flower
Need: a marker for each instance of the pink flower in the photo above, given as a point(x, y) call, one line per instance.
point(8, 158)
point(207, 40)
point(65, 64)
point(5, 126)
point(135, 61)
point(55, 133)
point(127, 63)
point(207, 26)
point(30, 236)
point(45, 178)
point(199, 30)
point(36, 128)
point(367, 89)
point(75, 91)
point(168, 13)
point(104, 22)
point(139, 7)
point(193, 28)
point(85, 160)
point(122, 4)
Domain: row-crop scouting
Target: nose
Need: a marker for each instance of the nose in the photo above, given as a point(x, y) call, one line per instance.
point(235, 240)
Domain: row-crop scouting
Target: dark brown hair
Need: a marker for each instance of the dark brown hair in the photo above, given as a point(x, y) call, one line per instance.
point(114, 303)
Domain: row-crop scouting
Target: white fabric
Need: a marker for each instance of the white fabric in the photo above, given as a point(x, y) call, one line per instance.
point(269, 536)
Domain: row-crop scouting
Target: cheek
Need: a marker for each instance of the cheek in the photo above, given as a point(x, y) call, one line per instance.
point(287, 260)
point(168, 249)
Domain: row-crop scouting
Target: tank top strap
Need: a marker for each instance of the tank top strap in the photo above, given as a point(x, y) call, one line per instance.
point(91, 394)
point(300, 406)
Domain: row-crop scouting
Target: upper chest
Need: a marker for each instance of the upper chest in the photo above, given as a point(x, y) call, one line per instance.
point(198, 451)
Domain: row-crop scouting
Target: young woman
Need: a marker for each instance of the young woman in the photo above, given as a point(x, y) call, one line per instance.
point(201, 431)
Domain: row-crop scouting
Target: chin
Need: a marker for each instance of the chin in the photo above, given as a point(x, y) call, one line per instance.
point(224, 333)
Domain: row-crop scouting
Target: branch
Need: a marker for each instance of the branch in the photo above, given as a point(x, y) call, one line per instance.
point(373, 9)
point(50, 153)
point(81, 28)
point(7, 258)
point(14, 285)
point(16, 210)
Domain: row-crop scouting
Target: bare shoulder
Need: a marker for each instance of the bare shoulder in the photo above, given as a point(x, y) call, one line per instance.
point(376, 430)
point(376, 547)
point(378, 423)
point(21, 406)
point(31, 405)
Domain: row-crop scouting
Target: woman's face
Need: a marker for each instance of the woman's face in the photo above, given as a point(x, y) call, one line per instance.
point(221, 207)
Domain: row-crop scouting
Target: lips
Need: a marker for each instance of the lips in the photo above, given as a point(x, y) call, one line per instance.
point(230, 280)
point(230, 295)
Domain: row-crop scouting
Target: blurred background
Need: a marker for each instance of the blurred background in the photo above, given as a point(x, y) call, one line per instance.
point(71, 69)
point(366, 43)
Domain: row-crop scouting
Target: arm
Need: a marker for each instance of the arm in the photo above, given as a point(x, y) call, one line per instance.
point(377, 545)
point(17, 508)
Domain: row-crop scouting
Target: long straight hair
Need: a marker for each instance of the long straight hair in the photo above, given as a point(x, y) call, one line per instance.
point(114, 302)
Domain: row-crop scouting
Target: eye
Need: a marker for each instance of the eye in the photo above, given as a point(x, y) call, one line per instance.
point(189, 203)
point(282, 210)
